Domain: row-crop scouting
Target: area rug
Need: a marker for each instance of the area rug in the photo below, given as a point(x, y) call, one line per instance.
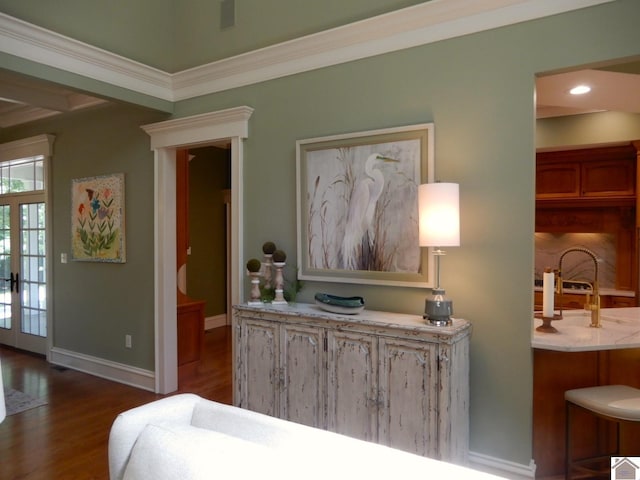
point(17, 401)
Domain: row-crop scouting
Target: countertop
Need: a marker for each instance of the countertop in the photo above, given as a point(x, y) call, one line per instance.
point(601, 291)
point(620, 329)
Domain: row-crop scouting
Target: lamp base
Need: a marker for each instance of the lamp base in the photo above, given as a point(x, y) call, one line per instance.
point(438, 311)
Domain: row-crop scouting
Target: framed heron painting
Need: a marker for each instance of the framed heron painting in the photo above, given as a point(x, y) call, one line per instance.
point(97, 219)
point(357, 206)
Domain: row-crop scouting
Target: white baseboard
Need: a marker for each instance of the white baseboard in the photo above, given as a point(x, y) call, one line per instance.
point(215, 321)
point(500, 467)
point(117, 372)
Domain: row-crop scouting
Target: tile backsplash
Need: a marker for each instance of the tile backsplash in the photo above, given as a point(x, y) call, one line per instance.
point(576, 265)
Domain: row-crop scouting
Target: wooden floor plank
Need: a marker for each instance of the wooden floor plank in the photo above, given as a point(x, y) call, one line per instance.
point(67, 438)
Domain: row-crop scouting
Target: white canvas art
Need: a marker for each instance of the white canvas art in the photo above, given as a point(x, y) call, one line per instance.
point(358, 206)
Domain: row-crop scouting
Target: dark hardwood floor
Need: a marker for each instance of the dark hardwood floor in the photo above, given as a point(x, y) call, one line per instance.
point(67, 438)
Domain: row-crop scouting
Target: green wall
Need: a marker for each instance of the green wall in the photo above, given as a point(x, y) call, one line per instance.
point(479, 92)
point(587, 129)
point(209, 176)
point(96, 304)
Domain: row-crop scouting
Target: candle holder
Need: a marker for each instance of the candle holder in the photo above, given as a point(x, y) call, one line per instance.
point(550, 286)
point(267, 264)
point(546, 323)
point(255, 289)
point(279, 298)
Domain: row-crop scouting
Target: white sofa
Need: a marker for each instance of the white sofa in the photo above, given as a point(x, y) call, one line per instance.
point(186, 437)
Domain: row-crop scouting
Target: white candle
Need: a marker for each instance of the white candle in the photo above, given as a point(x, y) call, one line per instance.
point(548, 289)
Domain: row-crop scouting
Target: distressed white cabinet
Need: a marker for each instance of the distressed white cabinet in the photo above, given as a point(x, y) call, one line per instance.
point(378, 376)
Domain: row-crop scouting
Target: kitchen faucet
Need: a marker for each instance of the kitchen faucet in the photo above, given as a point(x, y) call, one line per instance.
point(592, 302)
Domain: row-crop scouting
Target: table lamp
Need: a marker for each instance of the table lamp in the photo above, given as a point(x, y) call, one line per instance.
point(439, 213)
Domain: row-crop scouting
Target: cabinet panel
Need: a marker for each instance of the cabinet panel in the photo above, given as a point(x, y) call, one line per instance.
point(407, 391)
point(259, 375)
point(303, 376)
point(353, 404)
point(608, 178)
point(558, 180)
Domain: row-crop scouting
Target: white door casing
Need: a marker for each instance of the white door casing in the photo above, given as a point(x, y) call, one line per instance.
point(166, 137)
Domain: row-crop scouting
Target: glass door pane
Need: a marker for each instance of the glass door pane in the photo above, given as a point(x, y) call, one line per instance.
point(5, 267)
point(33, 305)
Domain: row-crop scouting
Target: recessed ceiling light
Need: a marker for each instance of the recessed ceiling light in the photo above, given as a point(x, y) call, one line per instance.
point(580, 90)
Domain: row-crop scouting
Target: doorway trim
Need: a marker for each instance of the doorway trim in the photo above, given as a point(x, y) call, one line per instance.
point(166, 137)
point(31, 147)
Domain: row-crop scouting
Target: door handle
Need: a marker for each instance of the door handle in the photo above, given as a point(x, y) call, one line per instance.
point(14, 282)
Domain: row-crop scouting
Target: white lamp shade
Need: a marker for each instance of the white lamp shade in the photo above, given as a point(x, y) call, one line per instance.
point(439, 211)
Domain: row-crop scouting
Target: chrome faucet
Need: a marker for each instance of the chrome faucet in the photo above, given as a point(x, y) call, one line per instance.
point(592, 302)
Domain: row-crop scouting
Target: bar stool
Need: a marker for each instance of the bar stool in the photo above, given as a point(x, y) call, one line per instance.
point(615, 403)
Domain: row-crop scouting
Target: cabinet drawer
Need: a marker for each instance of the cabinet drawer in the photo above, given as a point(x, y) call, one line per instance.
point(621, 302)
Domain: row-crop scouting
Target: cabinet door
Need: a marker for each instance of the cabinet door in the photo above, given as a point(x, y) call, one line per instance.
point(301, 366)
point(408, 380)
point(557, 180)
point(608, 178)
point(352, 390)
point(259, 374)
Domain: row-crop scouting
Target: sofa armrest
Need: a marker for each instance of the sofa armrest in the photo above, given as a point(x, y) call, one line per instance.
point(127, 426)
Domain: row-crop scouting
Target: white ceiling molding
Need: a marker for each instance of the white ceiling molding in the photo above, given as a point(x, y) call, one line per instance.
point(409, 27)
point(40, 45)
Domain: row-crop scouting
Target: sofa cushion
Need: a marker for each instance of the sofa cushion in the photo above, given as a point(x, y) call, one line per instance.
point(171, 452)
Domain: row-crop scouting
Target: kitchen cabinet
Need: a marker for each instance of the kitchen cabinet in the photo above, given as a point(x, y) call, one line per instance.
point(595, 191)
point(586, 173)
point(383, 377)
point(190, 330)
point(555, 372)
point(580, 356)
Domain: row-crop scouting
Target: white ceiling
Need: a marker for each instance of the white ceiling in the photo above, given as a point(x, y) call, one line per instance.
point(610, 90)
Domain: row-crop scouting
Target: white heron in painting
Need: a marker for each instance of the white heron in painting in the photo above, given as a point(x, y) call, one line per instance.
point(359, 233)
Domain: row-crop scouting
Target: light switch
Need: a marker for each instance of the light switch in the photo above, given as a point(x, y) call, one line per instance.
point(63, 258)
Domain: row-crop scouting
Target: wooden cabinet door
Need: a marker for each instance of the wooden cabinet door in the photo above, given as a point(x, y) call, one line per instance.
point(408, 381)
point(608, 178)
point(303, 375)
point(557, 180)
point(259, 373)
point(352, 384)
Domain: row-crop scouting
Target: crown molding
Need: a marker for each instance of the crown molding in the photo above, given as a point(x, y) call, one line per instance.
point(409, 27)
point(37, 44)
point(421, 24)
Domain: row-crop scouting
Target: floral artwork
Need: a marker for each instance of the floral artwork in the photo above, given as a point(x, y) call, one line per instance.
point(97, 219)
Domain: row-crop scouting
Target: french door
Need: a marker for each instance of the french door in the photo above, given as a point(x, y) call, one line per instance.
point(23, 299)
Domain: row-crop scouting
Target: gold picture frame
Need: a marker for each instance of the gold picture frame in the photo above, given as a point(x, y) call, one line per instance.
point(357, 206)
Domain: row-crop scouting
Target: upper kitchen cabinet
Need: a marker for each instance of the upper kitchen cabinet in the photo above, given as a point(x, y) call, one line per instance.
point(593, 191)
point(606, 175)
